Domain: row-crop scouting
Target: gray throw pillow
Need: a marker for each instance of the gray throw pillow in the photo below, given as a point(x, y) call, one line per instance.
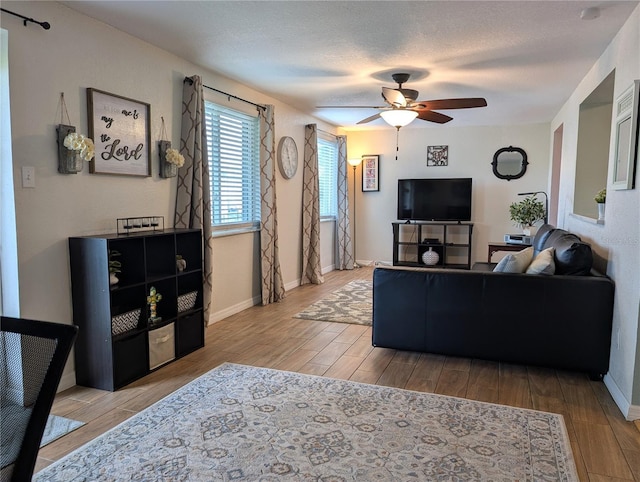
point(515, 262)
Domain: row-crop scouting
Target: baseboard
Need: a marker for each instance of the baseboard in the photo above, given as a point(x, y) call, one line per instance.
point(232, 310)
point(327, 269)
point(68, 380)
point(630, 412)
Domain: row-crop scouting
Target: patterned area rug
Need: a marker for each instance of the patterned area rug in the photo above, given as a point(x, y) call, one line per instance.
point(245, 423)
point(350, 304)
point(57, 427)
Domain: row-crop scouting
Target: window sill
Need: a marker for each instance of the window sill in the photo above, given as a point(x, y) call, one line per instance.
point(587, 219)
point(220, 233)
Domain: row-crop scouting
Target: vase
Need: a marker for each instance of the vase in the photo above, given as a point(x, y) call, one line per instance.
point(181, 264)
point(526, 230)
point(430, 257)
point(70, 162)
point(113, 279)
point(601, 211)
point(168, 170)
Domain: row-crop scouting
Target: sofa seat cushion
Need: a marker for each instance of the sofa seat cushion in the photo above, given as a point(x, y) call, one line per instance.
point(572, 255)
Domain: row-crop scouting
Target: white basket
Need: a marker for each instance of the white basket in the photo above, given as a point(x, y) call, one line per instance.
point(187, 301)
point(125, 322)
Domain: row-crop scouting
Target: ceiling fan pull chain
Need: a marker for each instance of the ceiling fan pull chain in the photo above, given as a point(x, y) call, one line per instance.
point(397, 136)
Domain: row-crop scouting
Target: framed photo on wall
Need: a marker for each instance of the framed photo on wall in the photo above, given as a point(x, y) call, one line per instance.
point(370, 173)
point(120, 129)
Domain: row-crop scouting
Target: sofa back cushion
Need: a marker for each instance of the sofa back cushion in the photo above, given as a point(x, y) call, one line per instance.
point(541, 237)
point(572, 255)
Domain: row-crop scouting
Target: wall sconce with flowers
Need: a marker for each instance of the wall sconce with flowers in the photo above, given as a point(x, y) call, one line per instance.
point(73, 148)
point(170, 158)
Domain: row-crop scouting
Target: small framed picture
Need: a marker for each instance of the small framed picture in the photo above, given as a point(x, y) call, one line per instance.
point(370, 173)
point(437, 155)
point(120, 131)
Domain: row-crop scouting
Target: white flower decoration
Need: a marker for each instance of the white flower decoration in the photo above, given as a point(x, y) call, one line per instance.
point(78, 142)
point(174, 157)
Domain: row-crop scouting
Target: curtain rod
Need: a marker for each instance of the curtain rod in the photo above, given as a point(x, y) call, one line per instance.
point(328, 133)
point(44, 25)
point(231, 96)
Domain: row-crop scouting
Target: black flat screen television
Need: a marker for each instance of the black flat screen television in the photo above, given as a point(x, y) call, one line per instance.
point(434, 199)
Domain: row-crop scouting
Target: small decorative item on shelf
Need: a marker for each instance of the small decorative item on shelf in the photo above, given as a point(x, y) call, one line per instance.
point(430, 257)
point(181, 263)
point(170, 158)
point(187, 301)
point(601, 199)
point(526, 213)
point(152, 300)
point(73, 148)
point(125, 322)
point(144, 223)
point(114, 267)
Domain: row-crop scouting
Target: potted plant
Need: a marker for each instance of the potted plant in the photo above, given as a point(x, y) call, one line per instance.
point(526, 213)
point(114, 266)
point(601, 199)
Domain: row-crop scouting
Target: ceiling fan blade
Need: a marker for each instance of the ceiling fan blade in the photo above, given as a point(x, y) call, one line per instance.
point(369, 119)
point(394, 97)
point(462, 103)
point(432, 116)
point(352, 107)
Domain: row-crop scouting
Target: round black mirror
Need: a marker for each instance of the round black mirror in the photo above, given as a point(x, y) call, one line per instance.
point(509, 163)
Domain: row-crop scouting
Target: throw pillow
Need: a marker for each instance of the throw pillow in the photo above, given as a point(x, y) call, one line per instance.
point(543, 263)
point(515, 263)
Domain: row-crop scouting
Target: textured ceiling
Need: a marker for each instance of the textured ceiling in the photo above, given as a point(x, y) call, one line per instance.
point(524, 57)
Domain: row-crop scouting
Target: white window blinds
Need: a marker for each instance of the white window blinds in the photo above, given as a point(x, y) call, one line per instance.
point(234, 162)
point(328, 177)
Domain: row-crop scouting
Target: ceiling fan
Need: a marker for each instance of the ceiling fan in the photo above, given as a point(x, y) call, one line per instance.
point(402, 107)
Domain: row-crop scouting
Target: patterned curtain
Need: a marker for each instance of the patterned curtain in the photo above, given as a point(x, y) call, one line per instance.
point(272, 285)
point(344, 252)
point(193, 199)
point(311, 269)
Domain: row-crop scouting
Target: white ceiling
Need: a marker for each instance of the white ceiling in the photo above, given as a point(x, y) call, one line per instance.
point(524, 57)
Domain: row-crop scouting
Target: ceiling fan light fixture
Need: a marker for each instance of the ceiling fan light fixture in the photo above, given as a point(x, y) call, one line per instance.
point(398, 117)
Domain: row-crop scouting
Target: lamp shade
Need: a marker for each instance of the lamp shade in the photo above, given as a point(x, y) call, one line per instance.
point(398, 117)
point(355, 161)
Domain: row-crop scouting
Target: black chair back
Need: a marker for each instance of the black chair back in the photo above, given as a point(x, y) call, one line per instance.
point(32, 357)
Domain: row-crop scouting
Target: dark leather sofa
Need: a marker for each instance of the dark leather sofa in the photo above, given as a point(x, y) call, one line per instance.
point(561, 321)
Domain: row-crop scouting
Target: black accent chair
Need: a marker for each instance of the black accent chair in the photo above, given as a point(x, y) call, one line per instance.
point(32, 357)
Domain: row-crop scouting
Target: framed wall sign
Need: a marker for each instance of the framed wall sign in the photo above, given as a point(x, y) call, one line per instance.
point(627, 140)
point(437, 155)
point(370, 173)
point(120, 129)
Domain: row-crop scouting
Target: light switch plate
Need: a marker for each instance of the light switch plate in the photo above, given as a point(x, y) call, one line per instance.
point(28, 176)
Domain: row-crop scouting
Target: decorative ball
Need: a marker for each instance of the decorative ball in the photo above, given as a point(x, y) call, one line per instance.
point(430, 257)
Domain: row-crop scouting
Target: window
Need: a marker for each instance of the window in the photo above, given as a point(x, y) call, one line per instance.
point(234, 163)
point(328, 178)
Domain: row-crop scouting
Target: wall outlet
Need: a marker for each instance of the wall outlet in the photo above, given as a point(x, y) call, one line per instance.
point(28, 176)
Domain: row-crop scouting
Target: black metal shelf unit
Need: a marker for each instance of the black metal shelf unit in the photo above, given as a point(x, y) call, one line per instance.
point(118, 342)
point(452, 242)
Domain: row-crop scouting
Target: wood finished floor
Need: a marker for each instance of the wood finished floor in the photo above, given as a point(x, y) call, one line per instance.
point(605, 446)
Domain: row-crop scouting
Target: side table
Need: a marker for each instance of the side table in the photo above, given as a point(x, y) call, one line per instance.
point(495, 247)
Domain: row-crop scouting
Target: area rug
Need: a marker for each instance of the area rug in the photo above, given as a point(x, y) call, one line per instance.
point(57, 427)
point(246, 423)
point(350, 304)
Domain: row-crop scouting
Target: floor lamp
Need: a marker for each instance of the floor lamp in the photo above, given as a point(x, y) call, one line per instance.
point(354, 163)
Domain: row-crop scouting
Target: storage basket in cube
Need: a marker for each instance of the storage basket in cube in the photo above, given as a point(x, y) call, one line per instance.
point(187, 301)
point(125, 322)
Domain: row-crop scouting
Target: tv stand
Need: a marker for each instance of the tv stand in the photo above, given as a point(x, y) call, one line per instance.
point(451, 240)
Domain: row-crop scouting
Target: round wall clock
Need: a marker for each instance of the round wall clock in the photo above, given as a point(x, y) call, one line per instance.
point(287, 157)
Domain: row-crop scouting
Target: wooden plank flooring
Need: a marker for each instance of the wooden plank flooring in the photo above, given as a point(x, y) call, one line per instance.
point(605, 446)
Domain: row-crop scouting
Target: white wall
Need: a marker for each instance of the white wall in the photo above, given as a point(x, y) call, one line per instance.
point(471, 151)
point(79, 52)
point(617, 242)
